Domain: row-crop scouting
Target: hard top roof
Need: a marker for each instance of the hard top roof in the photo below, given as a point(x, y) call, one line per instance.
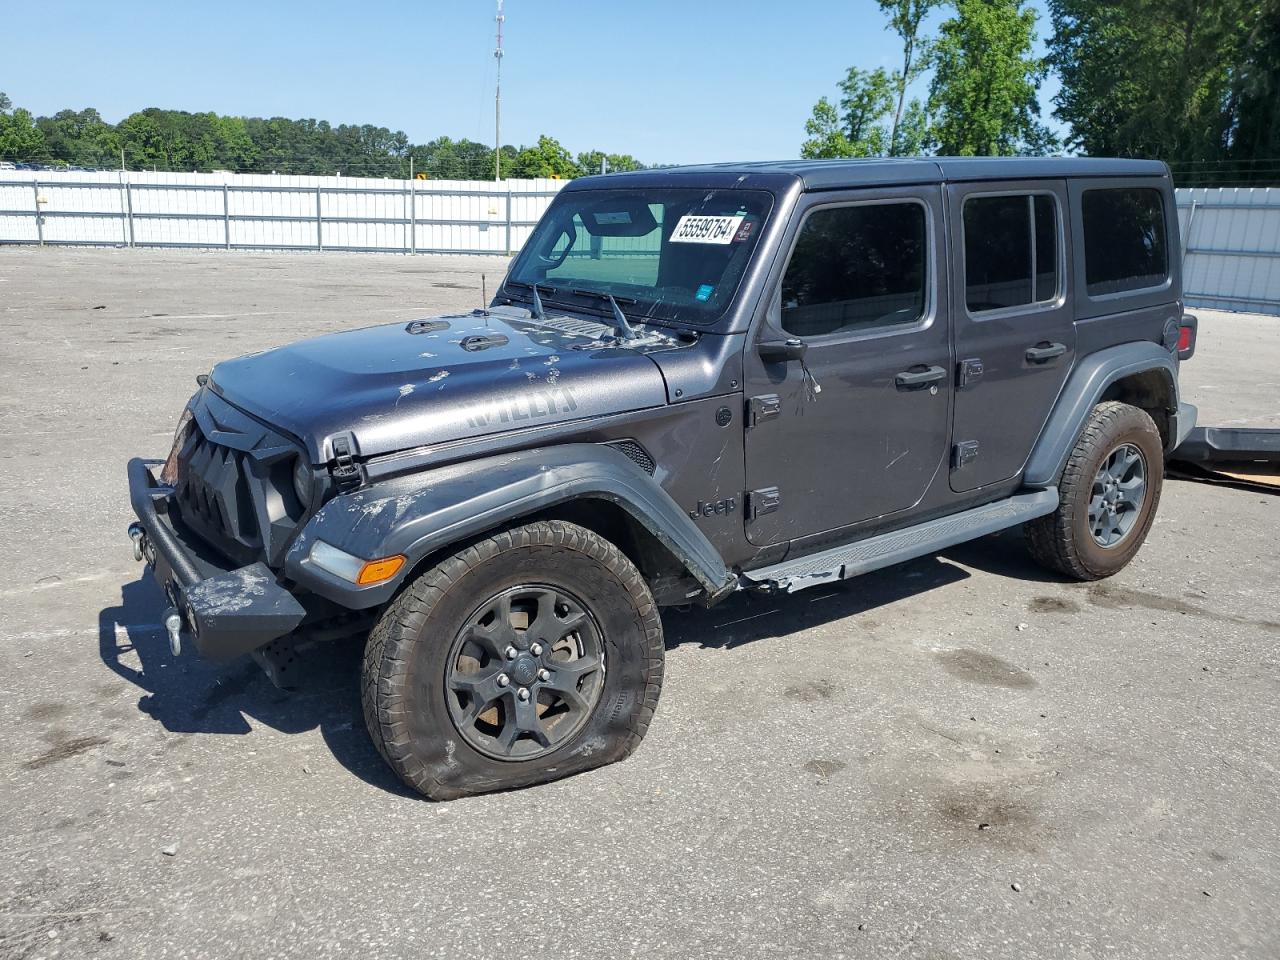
point(836, 174)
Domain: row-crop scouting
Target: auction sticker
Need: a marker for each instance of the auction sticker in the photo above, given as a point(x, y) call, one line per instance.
point(691, 229)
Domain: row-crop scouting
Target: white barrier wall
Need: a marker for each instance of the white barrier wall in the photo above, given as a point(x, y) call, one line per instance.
point(268, 212)
point(1231, 237)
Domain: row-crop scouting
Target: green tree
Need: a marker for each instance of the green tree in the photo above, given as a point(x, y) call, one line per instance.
point(1172, 79)
point(80, 137)
point(1254, 100)
point(20, 138)
point(858, 127)
point(590, 161)
point(906, 18)
point(983, 100)
point(546, 159)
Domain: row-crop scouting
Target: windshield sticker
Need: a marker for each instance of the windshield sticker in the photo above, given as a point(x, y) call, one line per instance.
point(704, 292)
point(621, 216)
point(718, 230)
point(744, 231)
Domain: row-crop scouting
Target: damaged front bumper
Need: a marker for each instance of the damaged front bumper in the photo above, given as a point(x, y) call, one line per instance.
point(228, 612)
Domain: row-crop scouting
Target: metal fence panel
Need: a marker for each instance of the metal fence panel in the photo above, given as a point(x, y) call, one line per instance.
point(1231, 248)
point(269, 212)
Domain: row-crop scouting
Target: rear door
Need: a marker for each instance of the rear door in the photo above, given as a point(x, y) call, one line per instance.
point(1013, 322)
point(859, 429)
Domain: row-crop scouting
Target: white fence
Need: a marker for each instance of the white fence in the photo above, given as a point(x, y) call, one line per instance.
point(1231, 237)
point(267, 212)
point(1231, 248)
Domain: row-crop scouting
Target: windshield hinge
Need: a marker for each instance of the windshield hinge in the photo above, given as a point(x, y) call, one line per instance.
point(344, 469)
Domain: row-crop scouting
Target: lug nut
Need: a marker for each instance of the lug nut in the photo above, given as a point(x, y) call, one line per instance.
point(544, 674)
point(536, 649)
point(511, 652)
point(503, 680)
point(523, 693)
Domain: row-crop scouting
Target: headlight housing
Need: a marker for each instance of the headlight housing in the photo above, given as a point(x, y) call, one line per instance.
point(169, 472)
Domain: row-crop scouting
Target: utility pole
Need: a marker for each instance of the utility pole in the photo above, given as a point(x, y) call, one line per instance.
point(497, 102)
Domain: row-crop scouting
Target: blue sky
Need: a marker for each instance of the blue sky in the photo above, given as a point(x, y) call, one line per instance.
point(670, 81)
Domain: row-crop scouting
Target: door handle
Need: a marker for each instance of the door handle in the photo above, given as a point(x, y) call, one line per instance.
point(910, 379)
point(1045, 351)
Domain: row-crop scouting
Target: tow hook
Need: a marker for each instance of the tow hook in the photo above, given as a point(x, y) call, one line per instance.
point(136, 534)
point(173, 624)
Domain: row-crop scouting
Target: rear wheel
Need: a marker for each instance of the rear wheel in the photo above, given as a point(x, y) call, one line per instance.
point(1108, 496)
point(531, 655)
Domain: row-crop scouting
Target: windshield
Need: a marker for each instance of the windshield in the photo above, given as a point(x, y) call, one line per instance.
point(672, 254)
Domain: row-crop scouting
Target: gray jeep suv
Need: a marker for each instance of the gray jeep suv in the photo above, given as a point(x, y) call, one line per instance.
point(691, 382)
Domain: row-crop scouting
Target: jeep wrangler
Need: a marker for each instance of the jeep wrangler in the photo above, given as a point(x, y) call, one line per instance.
point(691, 382)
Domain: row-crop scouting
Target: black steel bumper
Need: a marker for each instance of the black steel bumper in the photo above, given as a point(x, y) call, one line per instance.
point(228, 612)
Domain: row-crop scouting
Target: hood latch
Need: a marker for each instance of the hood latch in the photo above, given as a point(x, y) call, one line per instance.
point(344, 469)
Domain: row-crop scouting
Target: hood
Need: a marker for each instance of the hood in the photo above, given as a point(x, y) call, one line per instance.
point(454, 377)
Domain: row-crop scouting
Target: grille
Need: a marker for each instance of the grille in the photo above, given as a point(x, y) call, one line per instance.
point(636, 454)
point(213, 492)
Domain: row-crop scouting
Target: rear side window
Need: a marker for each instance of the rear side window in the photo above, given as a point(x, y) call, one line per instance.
point(1010, 251)
point(1125, 242)
point(857, 268)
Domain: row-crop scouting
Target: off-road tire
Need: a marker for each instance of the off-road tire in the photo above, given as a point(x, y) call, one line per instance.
point(405, 661)
point(1062, 541)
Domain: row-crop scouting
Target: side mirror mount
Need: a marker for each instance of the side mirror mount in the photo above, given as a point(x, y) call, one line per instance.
point(781, 351)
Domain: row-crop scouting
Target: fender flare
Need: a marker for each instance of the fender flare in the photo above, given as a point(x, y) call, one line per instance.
point(1084, 389)
point(421, 513)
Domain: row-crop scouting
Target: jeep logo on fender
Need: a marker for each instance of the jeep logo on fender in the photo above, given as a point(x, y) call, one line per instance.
point(535, 403)
point(712, 508)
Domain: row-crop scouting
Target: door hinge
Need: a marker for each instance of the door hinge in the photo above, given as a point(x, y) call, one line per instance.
point(344, 470)
point(966, 451)
point(970, 371)
point(762, 408)
point(761, 503)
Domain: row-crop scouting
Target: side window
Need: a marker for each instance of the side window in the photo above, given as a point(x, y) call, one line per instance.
point(857, 268)
point(1010, 251)
point(1125, 243)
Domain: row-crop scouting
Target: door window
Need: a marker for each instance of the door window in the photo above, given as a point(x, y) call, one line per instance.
point(857, 268)
point(1125, 244)
point(1010, 251)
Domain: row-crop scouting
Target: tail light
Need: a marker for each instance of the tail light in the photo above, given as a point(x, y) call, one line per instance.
point(1187, 330)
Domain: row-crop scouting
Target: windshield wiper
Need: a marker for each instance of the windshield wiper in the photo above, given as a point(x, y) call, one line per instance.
point(538, 312)
point(625, 330)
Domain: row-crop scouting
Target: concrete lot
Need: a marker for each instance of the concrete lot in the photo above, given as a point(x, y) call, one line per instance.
point(813, 785)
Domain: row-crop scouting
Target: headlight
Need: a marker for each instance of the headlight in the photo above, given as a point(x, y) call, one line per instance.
point(169, 472)
point(302, 481)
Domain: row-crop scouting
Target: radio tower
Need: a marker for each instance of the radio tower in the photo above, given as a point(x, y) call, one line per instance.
point(497, 102)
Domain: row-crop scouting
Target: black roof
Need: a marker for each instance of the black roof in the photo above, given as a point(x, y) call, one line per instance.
point(835, 174)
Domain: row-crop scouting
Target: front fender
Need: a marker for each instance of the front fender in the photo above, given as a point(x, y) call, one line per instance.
point(419, 514)
point(1084, 389)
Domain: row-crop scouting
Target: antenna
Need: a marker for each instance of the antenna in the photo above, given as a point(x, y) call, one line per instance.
point(497, 102)
point(484, 296)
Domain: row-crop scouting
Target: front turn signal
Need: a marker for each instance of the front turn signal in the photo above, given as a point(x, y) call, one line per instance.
point(379, 571)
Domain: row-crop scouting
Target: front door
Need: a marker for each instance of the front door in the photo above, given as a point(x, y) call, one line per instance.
point(1013, 320)
point(858, 429)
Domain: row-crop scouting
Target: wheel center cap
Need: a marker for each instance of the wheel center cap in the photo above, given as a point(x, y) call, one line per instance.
point(524, 671)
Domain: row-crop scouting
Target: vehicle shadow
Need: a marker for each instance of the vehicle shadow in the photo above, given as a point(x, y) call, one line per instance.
point(745, 617)
point(189, 694)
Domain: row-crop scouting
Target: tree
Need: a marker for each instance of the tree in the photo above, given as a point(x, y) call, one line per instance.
point(1255, 95)
point(1172, 79)
point(906, 18)
point(983, 100)
point(546, 159)
point(20, 138)
point(80, 137)
point(589, 162)
point(858, 127)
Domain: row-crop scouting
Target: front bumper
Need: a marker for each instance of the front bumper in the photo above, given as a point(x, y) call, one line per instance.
point(229, 612)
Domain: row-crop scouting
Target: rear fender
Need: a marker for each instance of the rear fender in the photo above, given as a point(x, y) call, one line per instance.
point(1088, 386)
point(417, 515)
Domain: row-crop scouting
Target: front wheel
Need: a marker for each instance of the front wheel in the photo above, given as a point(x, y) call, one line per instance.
point(531, 655)
point(1109, 493)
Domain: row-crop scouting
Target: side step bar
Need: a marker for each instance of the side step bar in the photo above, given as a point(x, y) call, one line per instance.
point(1220, 445)
point(852, 559)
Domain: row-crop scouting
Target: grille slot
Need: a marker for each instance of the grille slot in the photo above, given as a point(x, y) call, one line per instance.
point(213, 492)
point(637, 454)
